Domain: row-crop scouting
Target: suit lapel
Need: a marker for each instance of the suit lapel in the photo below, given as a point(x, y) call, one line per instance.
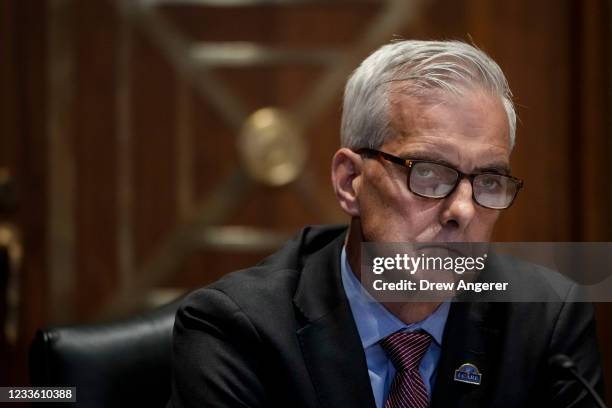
point(336, 362)
point(471, 336)
point(328, 338)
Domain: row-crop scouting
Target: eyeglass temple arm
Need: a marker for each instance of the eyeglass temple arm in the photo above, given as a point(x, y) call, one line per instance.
point(386, 156)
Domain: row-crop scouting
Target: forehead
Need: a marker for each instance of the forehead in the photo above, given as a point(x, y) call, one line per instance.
point(469, 130)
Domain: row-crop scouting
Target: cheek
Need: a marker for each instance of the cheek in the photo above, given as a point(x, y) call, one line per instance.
point(378, 206)
point(483, 224)
point(389, 214)
point(376, 194)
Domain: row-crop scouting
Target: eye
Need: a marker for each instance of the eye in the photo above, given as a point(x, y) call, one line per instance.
point(489, 182)
point(424, 172)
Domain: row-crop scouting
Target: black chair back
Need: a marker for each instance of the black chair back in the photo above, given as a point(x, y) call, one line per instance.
point(118, 364)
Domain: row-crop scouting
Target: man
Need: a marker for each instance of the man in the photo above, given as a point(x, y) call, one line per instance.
point(427, 132)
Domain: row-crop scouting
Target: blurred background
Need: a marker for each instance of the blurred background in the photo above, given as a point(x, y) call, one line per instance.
point(148, 147)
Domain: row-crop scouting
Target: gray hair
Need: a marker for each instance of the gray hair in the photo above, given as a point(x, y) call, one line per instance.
point(423, 65)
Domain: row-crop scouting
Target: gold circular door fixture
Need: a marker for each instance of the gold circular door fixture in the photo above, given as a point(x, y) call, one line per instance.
point(272, 147)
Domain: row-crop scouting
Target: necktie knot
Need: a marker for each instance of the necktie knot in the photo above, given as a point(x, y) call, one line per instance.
point(406, 349)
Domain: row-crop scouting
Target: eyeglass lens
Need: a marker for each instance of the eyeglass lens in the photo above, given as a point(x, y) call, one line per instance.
point(436, 181)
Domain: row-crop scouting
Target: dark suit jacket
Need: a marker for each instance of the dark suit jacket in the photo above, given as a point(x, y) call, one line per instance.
point(281, 334)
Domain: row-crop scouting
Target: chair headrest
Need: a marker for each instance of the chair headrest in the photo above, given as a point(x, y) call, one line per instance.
point(120, 363)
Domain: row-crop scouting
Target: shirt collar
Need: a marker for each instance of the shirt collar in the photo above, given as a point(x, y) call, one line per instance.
point(374, 322)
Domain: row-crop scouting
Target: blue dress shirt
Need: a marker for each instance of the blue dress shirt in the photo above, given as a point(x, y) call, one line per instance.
point(374, 323)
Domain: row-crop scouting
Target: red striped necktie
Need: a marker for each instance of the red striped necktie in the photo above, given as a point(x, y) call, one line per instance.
point(405, 350)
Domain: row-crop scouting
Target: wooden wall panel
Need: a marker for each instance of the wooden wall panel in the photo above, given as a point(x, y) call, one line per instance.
point(23, 151)
point(591, 134)
point(154, 154)
point(94, 148)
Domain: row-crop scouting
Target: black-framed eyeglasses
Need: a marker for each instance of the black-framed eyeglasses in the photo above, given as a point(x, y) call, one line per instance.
point(431, 179)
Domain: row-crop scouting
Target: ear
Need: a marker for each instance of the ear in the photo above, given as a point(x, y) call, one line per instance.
point(345, 174)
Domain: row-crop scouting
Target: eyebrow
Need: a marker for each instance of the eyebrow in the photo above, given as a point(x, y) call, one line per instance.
point(494, 167)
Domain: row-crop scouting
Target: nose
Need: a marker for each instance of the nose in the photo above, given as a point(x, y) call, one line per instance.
point(458, 208)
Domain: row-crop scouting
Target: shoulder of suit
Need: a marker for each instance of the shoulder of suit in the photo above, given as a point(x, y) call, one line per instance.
point(530, 280)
